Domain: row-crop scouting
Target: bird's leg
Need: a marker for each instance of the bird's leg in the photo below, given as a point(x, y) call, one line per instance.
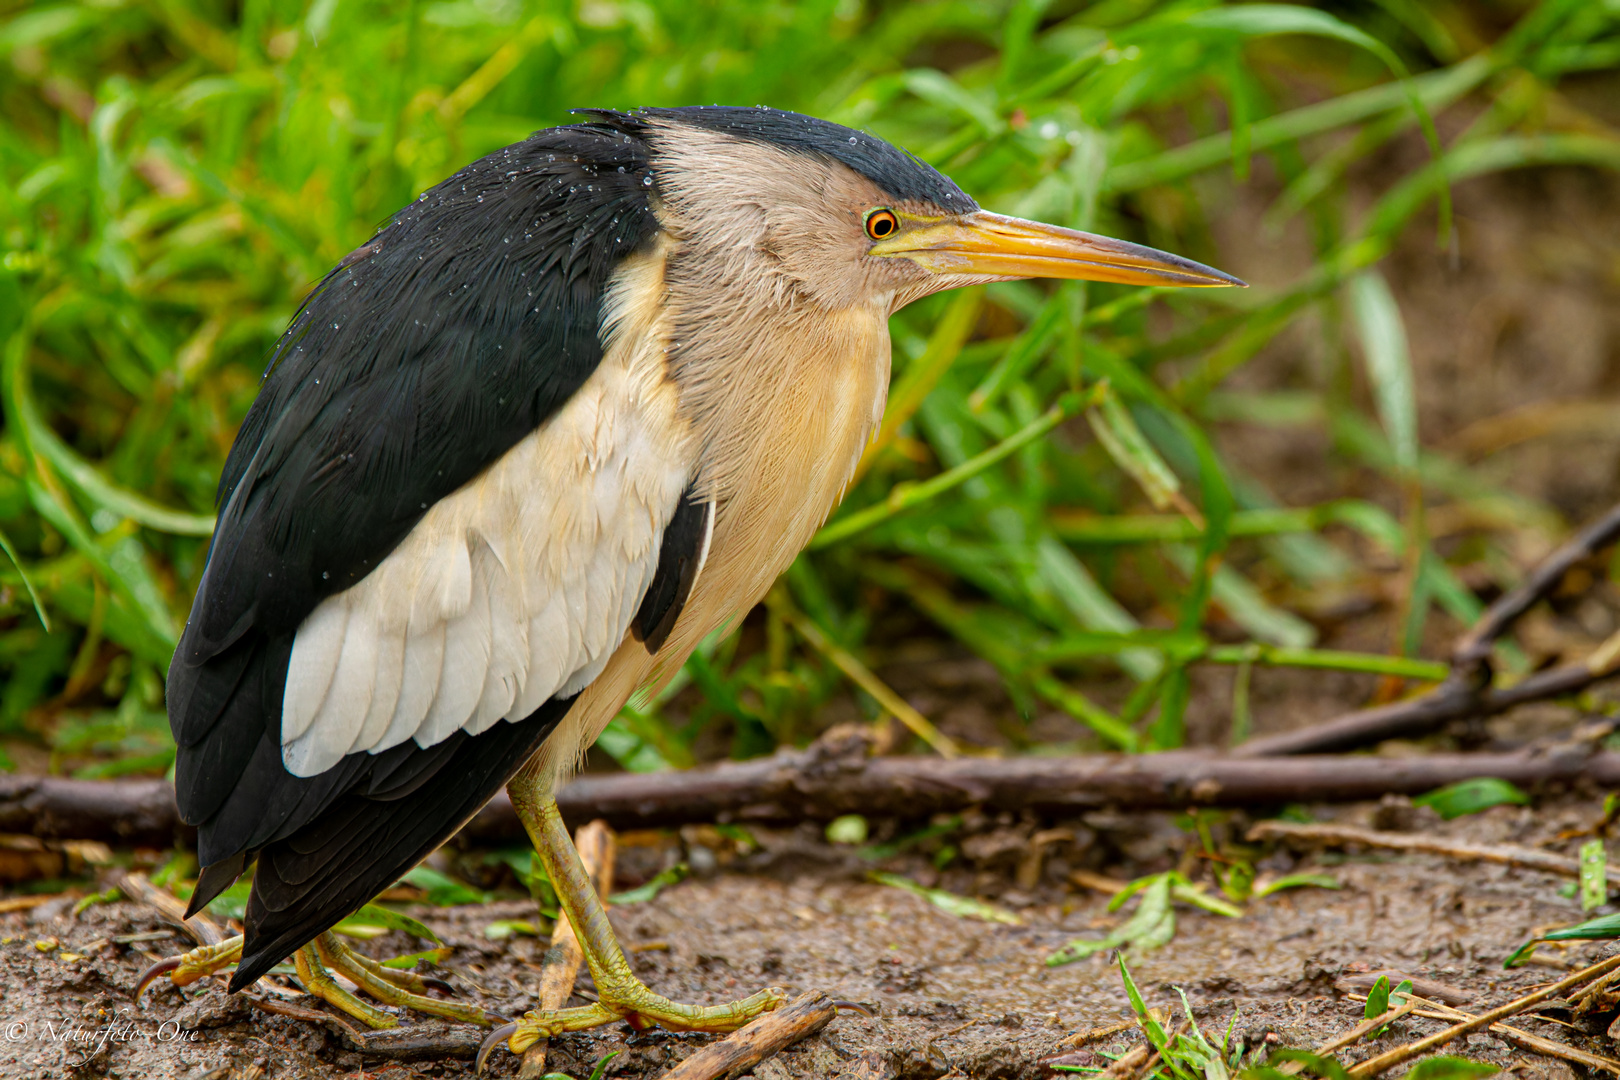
point(315, 962)
point(620, 994)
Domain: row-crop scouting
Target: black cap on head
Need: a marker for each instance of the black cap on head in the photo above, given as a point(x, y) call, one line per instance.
point(892, 169)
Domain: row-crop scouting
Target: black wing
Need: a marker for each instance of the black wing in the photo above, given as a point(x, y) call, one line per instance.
point(427, 354)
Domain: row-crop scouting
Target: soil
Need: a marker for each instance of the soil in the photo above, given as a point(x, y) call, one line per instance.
point(950, 995)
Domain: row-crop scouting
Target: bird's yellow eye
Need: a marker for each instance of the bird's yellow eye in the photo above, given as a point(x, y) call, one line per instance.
point(880, 223)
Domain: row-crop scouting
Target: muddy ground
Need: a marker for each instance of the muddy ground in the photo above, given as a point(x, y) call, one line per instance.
point(951, 996)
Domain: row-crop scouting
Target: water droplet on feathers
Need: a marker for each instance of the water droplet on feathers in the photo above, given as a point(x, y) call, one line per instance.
point(852, 140)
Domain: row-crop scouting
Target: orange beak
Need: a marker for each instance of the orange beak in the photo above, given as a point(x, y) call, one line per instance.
point(1009, 247)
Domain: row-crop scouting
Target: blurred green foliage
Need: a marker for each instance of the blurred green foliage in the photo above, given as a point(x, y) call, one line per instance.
point(178, 173)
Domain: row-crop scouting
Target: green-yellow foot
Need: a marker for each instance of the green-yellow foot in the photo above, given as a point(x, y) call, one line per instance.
point(315, 962)
point(640, 1008)
point(621, 995)
point(326, 953)
point(199, 963)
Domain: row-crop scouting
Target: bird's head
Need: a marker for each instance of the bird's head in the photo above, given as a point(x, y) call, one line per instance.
point(794, 208)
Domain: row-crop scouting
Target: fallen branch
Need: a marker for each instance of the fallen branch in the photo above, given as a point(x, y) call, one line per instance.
point(746, 1047)
point(1504, 854)
point(560, 968)
point(824, 782)
point(1417, 1048)
point(794, 786)
point(1455, 699)
point(1467, 692)
point(1471, 655)
point(129, 811)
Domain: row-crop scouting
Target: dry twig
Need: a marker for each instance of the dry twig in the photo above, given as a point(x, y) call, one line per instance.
point(746, 1047)
point(203, 930)
point(1505, 854)
point(1366, 1027)
point(1361, 982)
point(1471, 656)
point(1521, 1038)
point(1467, 691)
point(1091, 1035)
point(595, 843)
point(24, 903)
point(1418, 1047)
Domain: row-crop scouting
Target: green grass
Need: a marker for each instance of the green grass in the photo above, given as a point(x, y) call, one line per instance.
point(177, 173)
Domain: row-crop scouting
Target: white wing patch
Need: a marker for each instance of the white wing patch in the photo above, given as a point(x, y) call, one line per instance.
point(514, 589)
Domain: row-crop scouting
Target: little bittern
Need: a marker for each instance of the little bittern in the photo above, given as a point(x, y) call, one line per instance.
point(564, 415)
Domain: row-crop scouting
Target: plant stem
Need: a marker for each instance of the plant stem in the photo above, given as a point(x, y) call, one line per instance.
point(1329, 660)
point(906, 495)
point(862, 676)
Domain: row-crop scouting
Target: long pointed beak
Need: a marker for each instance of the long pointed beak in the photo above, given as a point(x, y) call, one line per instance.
point(994, 244)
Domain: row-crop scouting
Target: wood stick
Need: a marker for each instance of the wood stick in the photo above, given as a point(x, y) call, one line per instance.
point(1467, 692)
point(1473, 650)
point(770, 1034)
point(1391, 1058)
point(1362, 982)
point(127, 811)
point(203, 930)
point(1454, 699)
point(1505, 854)
point(1091, 1035)
point(1523, 1039)
point(429, 1041)
point(1366, 1027)
point(24, 903)
point(595, 843)
point(822, 782)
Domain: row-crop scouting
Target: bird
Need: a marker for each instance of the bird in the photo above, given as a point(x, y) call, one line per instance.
point(564, 415)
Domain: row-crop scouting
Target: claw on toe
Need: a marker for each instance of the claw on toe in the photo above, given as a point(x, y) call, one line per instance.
point(187, 968)
point(491, 1041)
point(162, 967)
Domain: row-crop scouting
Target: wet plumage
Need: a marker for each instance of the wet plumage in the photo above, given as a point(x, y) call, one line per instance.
point(566, 414)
